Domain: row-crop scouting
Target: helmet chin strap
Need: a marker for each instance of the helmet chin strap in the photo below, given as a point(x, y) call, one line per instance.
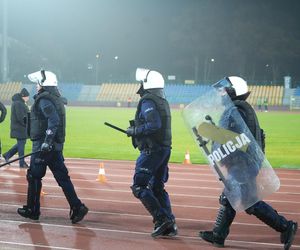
point(141, 90)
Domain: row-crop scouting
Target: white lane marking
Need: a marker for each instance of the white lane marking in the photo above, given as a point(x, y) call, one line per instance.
point(242, 243)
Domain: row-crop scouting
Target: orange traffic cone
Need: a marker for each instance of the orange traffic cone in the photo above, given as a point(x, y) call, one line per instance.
point(101, 175)
point(43, 193)
point(187, 158)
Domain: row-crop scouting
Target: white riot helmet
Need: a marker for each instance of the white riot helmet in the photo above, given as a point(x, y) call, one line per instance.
point(150, 79)
point(236, 87)
point(43, 78)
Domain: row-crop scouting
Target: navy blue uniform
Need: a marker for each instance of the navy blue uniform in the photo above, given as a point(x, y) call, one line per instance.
point(151, 171)
point(152, 136)
point(47, 131)
point(54, 159)
point(260, 209)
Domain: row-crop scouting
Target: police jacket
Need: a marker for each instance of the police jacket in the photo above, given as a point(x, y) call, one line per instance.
point(47, 119)
point(19, 111)
point(153, 123)
point(3, 112)
point(251, 159)
point(249, 116)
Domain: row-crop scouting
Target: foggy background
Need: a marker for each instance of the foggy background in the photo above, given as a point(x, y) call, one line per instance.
point(93, 41)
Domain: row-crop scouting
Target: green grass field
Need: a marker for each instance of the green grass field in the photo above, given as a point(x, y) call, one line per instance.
point(88, 137)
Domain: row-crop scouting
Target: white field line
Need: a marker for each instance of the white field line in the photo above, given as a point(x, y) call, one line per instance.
point(131, 202)
point(172, 177)
point(34, 245)
point(47, 177)
point(183, 195)
point(242, 243)
point(129, 191)
point(139, 216)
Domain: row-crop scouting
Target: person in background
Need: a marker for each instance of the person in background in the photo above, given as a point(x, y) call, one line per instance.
point(266, 103)
point(47, 131)
point(2, 118)
point(18, 116)
point(259, 104)
point(151, 134)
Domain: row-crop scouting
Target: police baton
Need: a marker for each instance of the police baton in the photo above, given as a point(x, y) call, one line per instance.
point(24, 156)
point(202, 144)
point(115, 127)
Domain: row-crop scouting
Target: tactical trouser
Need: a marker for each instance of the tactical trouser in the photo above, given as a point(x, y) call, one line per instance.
point(261, 210)
point(149, 201)
point(151, 173)
point(37, 170)
point(33, 193)
point(269, 216)
point(224, 218)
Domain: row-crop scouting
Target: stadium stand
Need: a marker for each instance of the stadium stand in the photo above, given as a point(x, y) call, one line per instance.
point(120, 93)
point(7, 90)
point(70, 90)
point(184, 94)
point(274, 94)
point(89, 93)
point(295, 99)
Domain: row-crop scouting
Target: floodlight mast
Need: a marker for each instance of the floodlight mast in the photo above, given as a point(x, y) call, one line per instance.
point(4, 63)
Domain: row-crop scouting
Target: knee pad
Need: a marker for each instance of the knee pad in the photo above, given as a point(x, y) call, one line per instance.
point(138, 191)
point(142, 177)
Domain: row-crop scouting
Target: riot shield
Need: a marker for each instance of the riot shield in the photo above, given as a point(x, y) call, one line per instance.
point(230, 148)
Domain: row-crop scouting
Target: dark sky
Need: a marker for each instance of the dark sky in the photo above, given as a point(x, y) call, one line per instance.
point(176, 37)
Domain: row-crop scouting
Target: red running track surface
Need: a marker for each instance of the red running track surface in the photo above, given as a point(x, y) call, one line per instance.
point(117, 220)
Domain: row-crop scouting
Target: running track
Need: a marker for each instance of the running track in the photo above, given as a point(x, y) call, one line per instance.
point(118, 221)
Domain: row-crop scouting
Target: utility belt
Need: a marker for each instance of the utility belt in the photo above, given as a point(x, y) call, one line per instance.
point(148, 151)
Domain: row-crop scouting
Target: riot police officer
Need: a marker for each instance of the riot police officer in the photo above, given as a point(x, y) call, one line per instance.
point(237, 90)
point(47, 132)
point(151, 134)
point(2, 117)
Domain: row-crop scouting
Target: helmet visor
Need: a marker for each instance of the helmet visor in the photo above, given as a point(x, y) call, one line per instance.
point(224, 83)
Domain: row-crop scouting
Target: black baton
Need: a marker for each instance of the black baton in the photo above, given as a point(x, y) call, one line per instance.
point(115, 127)
point(24, 156)
point(202, 144)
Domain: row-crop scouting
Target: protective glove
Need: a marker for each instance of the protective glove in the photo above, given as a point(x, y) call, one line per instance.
point(46, 147)
point(131, 131)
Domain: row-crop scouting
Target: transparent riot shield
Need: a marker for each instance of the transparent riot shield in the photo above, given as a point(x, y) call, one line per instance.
point(231, 150)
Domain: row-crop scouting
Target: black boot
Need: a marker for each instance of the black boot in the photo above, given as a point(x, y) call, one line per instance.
point(269, 216)
point(224, 219)
point(162, 222)
point(172, 230)
point(32, 209)
point(27, 213)
point(78, 213)
point(161, 227)
point(213, 238)
point(150, 202)
point(287, 237)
